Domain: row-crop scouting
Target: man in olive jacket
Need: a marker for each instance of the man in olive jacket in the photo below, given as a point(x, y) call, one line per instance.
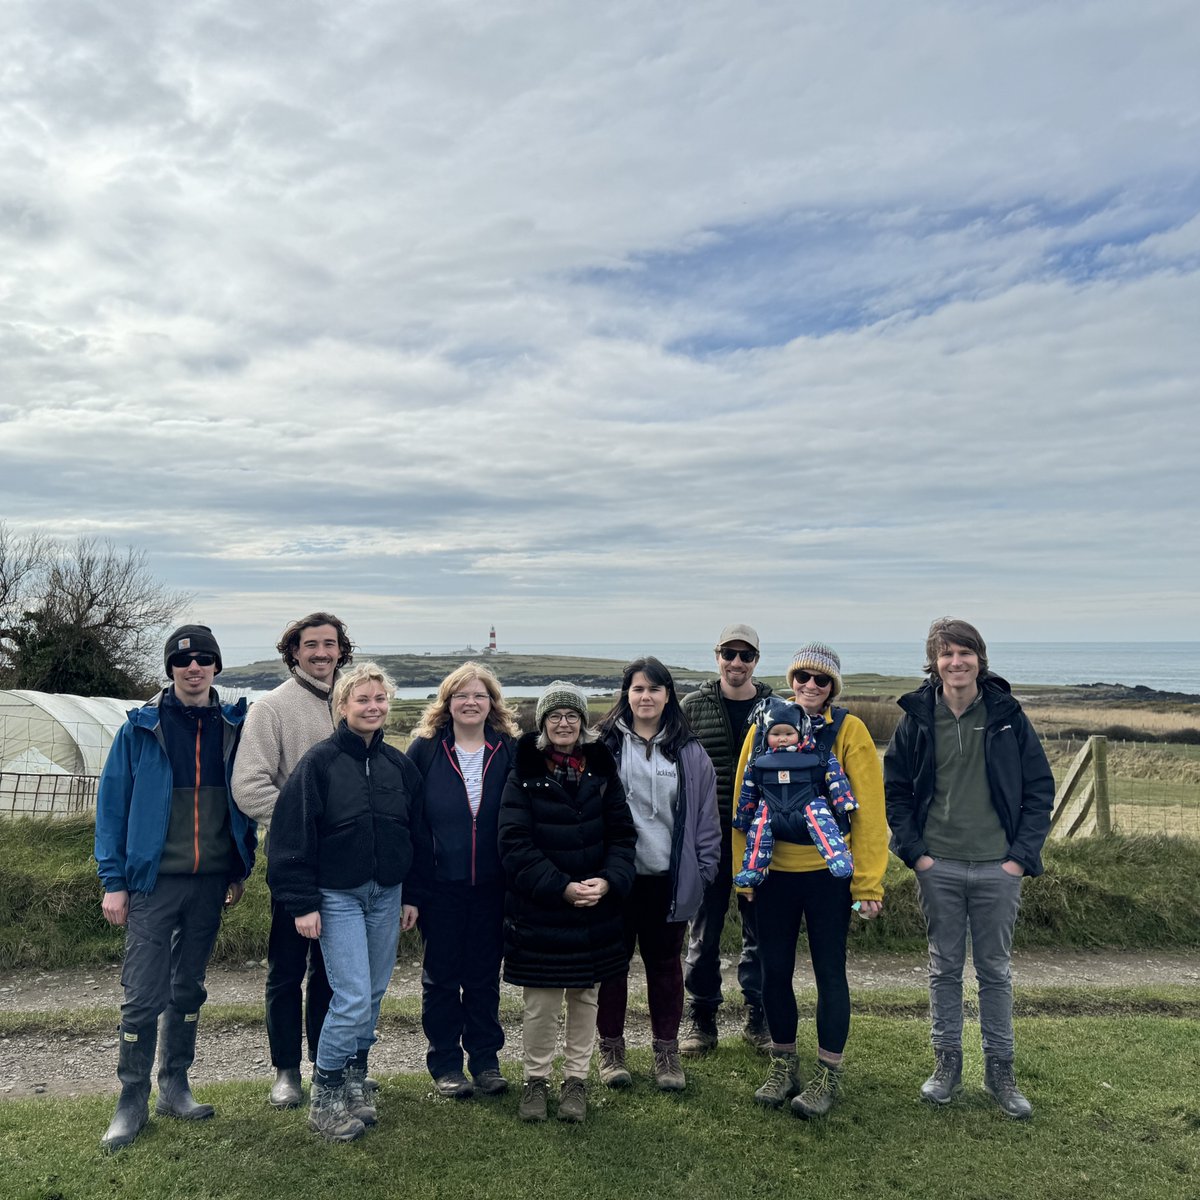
point(969, 794)
point(719, 713)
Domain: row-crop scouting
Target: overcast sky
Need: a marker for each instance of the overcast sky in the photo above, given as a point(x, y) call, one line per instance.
point(612, 322)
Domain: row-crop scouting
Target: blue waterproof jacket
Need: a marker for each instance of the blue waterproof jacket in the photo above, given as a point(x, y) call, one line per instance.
point(133, 806)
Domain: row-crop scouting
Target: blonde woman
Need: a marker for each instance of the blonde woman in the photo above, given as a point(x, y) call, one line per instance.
point(463, 749)
point(346, 832)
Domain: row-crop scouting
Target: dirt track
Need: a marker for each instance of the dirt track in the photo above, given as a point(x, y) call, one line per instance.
point(70, 1065)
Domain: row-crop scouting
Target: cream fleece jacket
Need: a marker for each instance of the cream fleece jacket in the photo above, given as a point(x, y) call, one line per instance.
point(279, 730)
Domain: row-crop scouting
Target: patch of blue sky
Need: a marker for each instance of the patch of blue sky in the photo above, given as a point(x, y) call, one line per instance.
point(765, 283)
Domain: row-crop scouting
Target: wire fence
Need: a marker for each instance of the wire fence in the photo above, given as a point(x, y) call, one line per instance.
point(1153, 787)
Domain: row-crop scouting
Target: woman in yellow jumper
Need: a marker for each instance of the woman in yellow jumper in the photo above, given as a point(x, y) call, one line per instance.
point(800, 889)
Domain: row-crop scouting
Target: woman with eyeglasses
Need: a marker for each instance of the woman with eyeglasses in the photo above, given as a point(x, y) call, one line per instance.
point(800, 888)
point(671, 787)
point(566, 842)
point(463, 749)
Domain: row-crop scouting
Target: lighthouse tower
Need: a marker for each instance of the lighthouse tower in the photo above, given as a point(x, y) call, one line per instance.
point(492, 640)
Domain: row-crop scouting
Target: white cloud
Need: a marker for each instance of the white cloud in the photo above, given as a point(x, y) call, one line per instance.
point(611, 317)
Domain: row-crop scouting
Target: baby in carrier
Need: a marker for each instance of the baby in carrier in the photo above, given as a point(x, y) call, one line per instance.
point(793, 789)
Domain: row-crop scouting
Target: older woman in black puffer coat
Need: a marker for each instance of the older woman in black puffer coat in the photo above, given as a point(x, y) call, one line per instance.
point(566, 843)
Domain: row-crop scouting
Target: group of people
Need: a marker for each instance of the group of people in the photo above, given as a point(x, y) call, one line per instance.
point(550, 858)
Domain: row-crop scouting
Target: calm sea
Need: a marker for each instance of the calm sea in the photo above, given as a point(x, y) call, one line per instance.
point(1165, 666)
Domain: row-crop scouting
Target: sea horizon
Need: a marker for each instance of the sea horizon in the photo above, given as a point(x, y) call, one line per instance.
point(1162, 666)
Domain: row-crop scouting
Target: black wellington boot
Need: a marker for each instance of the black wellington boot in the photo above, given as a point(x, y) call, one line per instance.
point(135, 1058)
point(177, 1034)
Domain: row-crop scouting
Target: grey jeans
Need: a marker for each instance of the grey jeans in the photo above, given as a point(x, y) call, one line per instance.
point(983, 899)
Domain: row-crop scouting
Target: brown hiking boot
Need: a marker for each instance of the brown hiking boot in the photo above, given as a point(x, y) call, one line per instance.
point(572, 1099)
point(668, 1071)
point(700, 1036)
point(613, 1072)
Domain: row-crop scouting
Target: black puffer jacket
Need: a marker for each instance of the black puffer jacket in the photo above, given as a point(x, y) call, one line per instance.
point(348, 814)
point(1020, 782)
point(710, 723)
point(549, 838)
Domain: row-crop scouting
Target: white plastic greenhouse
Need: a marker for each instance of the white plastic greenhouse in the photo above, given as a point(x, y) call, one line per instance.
point(52, 749)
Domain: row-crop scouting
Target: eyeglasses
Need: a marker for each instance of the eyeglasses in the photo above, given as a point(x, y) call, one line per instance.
point(563, 718)
point(201, 660)
point(820, 680)
point(478, 697)
point(747, 656)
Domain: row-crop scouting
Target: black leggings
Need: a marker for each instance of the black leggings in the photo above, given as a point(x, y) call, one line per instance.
point(782, 901)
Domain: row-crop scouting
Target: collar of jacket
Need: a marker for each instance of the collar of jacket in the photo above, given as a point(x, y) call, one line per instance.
point(352, 744)
point(997, 698)
point(146, 716)
point(309, 684)
point(530, 763)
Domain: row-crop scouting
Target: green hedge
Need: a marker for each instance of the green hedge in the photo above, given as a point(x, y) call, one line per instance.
point(1119, 892)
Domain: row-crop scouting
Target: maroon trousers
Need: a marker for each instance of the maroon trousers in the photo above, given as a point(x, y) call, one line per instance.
point(661, 943)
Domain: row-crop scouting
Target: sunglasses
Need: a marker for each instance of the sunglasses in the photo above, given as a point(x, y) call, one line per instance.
point(201, 660)
point(747, 656)
point(817, 678)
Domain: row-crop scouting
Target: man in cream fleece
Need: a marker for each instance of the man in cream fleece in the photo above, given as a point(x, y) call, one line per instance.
point(279, 730)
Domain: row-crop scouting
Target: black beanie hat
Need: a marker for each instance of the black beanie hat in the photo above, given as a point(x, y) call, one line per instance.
point(191, 639)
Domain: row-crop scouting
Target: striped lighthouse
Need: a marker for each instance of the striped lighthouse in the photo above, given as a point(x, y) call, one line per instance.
point(492, 640)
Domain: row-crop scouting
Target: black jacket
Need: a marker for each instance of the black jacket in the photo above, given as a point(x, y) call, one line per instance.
point(549, 838)
point(464, 846)
point(1019, 777)
point(348, 814)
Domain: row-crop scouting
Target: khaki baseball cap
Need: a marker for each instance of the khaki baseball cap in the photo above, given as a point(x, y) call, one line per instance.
point(738, 633)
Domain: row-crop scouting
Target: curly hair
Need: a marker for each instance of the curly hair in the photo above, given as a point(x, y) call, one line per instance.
point(436, 716)
point(367, 672)
point(289, 640)
point(947, 631)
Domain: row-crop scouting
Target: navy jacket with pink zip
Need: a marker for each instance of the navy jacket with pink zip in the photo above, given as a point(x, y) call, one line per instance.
point(464, 846)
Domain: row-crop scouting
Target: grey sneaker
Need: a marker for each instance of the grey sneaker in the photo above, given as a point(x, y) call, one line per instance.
point(454, 1085)
point(700, 1036)
point(782, 1080)
point(533, 1099)
point(819, 1092)
point(613, 1072)
point(946, 1081)
point(668, 1070)
point(1001, 1084)
point(572, 1099)
point(755, 1032)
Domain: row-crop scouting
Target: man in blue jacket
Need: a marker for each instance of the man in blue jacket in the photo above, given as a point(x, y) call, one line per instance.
point(173, 851)
point(969, 794)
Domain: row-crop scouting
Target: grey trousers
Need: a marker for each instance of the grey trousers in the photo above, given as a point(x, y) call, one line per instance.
point(982, 899)
point(169, 937)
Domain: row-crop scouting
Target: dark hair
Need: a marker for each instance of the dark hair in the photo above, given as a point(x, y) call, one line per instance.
point(289, 640)
point(677, 731)
point(950, 630)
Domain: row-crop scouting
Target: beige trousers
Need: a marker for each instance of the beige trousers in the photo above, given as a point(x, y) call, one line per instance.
point(540, 1030)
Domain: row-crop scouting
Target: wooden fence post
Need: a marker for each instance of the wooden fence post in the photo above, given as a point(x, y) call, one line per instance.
point(1100, 781)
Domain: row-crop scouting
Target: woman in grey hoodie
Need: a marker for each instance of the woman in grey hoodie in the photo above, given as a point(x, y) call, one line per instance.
point(671, 789)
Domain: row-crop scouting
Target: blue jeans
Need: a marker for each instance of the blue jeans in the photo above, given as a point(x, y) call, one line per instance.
point(359, 932)
point(984, 899)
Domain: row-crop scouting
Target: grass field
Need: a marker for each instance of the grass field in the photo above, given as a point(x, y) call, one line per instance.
point(1116, 1115)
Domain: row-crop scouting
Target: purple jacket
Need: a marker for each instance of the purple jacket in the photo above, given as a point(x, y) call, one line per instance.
point(696, 831)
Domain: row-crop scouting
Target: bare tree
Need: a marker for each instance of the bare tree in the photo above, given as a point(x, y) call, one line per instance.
point(62, 605)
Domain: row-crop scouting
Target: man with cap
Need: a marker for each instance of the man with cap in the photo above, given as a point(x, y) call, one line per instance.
point(173, 850)
point(719, 712)
point(281, 728)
